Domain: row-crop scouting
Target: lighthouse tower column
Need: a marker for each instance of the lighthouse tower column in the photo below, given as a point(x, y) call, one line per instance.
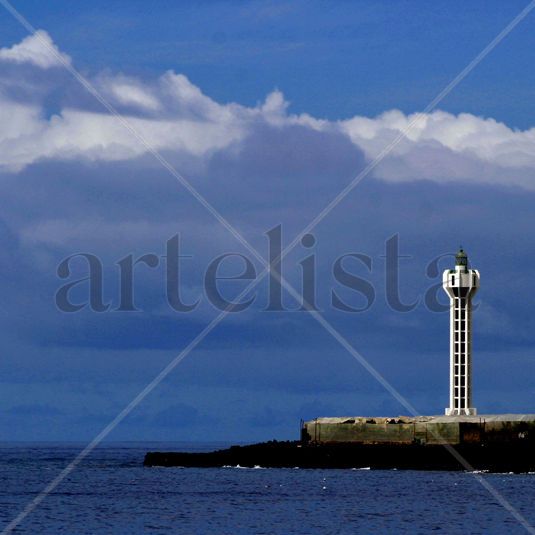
point(461, 284)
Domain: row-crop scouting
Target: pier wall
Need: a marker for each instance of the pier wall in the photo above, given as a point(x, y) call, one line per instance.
point(423, 430)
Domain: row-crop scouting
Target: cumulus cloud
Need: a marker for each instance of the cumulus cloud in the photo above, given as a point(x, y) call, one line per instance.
point(129, 92)
point(442, 146)
point(172, 114)
point(27, 135)
point(37, 49)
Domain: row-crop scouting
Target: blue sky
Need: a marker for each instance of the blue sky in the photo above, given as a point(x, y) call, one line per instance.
point(269, 109)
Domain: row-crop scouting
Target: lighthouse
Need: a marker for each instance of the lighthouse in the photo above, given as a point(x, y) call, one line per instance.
point(461, 285)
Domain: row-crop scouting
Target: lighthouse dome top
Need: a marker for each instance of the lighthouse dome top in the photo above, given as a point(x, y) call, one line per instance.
point(461, 258)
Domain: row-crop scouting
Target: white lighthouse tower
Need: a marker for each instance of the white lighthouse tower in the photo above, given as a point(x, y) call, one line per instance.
point(461, 284)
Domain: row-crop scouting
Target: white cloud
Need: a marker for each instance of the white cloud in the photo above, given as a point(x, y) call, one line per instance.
point(192, 123)
point(172, 114)
point(442, 146)
point(130, 93)
point(37, 49)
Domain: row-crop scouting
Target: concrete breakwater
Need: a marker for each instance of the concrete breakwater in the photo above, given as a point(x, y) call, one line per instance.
point(499, 443)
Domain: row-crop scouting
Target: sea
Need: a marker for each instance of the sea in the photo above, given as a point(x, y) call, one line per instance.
point(111, 492)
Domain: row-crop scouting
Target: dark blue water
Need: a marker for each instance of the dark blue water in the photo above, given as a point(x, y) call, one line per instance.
point(111, 492)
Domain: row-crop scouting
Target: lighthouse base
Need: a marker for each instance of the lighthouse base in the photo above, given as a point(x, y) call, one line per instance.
point(470, 411)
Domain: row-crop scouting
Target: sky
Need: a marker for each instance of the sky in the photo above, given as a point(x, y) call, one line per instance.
point(269, 110)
